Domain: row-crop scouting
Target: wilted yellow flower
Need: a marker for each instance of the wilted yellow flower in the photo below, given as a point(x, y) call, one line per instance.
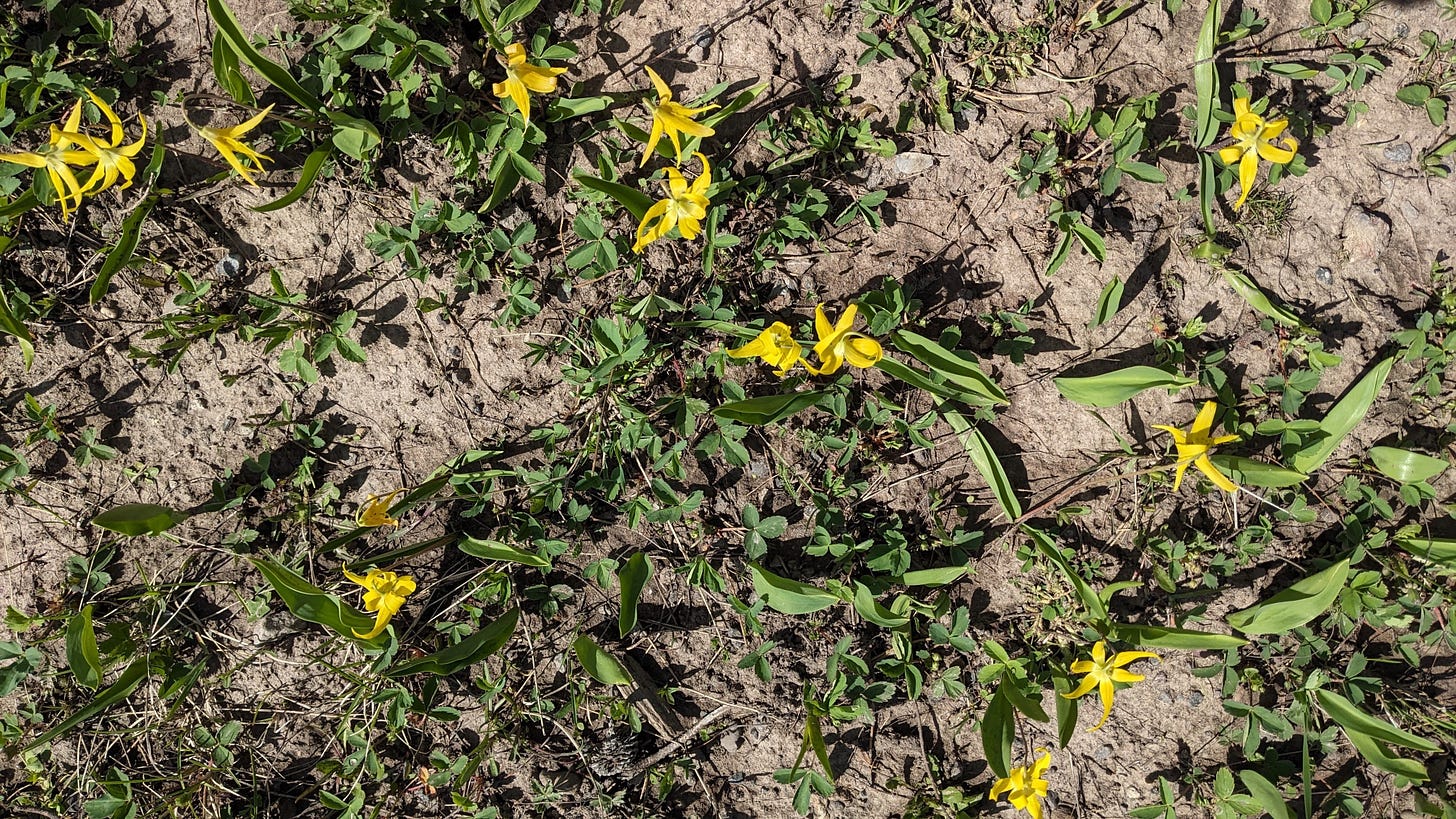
point(375, 511)
point(227, 143)
point(1194, 446)
point(1025, 787)
point(684, 208)
point(1254, 139)
point(112, 159)
point(838, 345)
point(384, 594)
point(523, 77)
point(775, 345)
point(1102, 671)
point(59, 160)
point(672, 118)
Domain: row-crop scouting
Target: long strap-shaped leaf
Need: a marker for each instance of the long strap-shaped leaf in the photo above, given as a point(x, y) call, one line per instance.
point(232, 31)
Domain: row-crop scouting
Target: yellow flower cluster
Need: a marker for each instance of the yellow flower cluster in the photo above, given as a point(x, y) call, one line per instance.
point(837, 345)
point(69, 150)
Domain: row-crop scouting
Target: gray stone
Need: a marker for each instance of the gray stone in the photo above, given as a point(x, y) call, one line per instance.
point(1195, 698)
point(1399, 152)
point(1365, 236)
point(913, 163)
point(1324, 275)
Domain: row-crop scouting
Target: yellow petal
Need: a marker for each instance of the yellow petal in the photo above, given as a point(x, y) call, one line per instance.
point(664, 93)
point(1122, 675)
point(1203, 423)
point(1178, 474)
point(822, 328)
point(676, 120)
point(380, 621)
point(652, 139)
point(1269, 153)
point(656, 222)
point(1125, 657)
point(1241, 107)
point(1178, 436)
point(1105, 690)
point(862, 351)
point(29, 160)
point(1214, 475)
point(1248, 174)
point(1081, 690)
point(1231, 154)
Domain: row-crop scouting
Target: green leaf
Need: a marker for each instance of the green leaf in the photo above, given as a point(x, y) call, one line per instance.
point(1265, 794)
point(1205, 78)
point(1108, 303)
point(1110, 389)
point(311, 167)
point(1414, 95)
point(515, 13)
point(1351, 718)
point(734, 105)
point(998, 731)
point(870, 609)
point(633, 576)
point(496, 550)
point(1048, 547)
point(12, 326)
point(309, 602)
point(81, 651)
point(1406, 466)
point(229, 73)
point(959, 371)
point(789, 596)
point(1436, 550)
point(636, 202)
point(1343, 417)
point(933, 577)
point(354, 136)
point(1249, 472)
point(1066, 709)
point(767, 409)
point(231, 31)
point(463, 654)
point(1183, 639)
point(133, 519)
point(1294, 606)
point(1258, 299)
point(120, 254)
point(989, 465)
point(1022, 703)
point(923, 381)
point(121, 689)
point(1380, 756)
point(563, 108)
point(602, 666)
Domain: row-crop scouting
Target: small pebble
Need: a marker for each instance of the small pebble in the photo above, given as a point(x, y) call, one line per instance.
point(229, 266)
point(1195, 698)
point(1102, 752)
point(913, 164)
point(1401, 29)
point(1366, 234)
point(1399, 152)
point(107, 311)
point(1324, 275)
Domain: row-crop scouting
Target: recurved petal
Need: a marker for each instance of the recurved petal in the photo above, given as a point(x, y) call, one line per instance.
point(1099, 652)
point(862, 351)
point(688, 224)
point(758, 348)
point(652, 139)
point(1273, 128)
point(656, 222)
point(1204, 422)
point(538, 79)
point(1033, 807)
point(1248, 174)
point(1105, 691)
point(1122, 675)
point(29, 160)
point(380, 621)
point(677, 119)
point(822, 328)
point(1270, 153)
point(1043, 762)
point(1086, 685)
point(244, 127)
point(1231, 154)
point(830, 361)
point(134, 148)
point(1178, 435)
point(517, 91)
point(1001, 786)
point(1214, 475)
point(1178, 474)
point(663, 92)
point(1241, 107)
point(1125, 657)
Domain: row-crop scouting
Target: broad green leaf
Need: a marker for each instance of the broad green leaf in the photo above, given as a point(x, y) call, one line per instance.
point(1108, 303)
point(1090, 599)
point(633, 575)
point(229, 73)
point(463, 654)
point(767, 409)
point(309, 602)
point(1258, 299)
point(602, 666)
point(1111, 389)
point(1380, 756)
point(1177, 638)
point(734, 105)
point(1265, 794)
point(1205, 78)
point(1022, 703)
point(496, 550)
point(1249, 472)
point(932, 577)
point(515, 13)
point(870, 609)
point(81, 651)
point(636, 202)
point(355, 137)
point(563, 108)
point(306, 176)
point(998, 731)
point(1066, 709)
point(121, 689)
point(989, 465)
point(1436, 550)
point(962, 372)
point(789, 596)
point(1294, 606)
point(14, 327)
point(1406, 466)
point(133, 519)
point(120, 254)
point(1352, 718)
point(231, 31)
point(1343, 417)
point(1207, 188)
point(923, 381)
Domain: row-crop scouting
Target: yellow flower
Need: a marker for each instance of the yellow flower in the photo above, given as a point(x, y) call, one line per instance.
point(1102, 672)
point(1254, 139)
point(1194, 445)
point(838, 345)
point(384, 594)
point(227, 143)
point(57, 159)
point(684, 208)
point(112, 159)
point(672, 118)
point(775, 345)
point(1025, 787)
point(523, 77)
point(376, 510)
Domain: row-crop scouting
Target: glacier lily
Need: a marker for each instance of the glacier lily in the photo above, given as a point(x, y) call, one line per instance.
point(837, 344)
point(684, 208)
point(1254, 139)
point(672, 118)
point(1194, 446)
point(228, 142)
point(1025, 787)
point(775, 346)
point(1102, 673)
point(384, 594)
point(523, 79)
